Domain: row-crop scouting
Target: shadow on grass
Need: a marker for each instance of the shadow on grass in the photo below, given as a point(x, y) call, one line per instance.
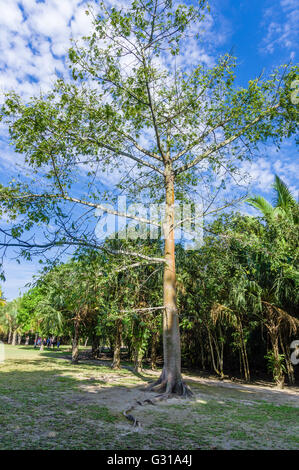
point(57, 405)
point(212, 386)
point(141, 376)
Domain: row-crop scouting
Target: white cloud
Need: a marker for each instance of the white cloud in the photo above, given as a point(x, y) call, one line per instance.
point(34, 38)
point(282, 23)
point(11, 16)
point(262, 171)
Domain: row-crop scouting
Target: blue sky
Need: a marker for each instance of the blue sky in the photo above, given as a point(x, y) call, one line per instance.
point(34, 36)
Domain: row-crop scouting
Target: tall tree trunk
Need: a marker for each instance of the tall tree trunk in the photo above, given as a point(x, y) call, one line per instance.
point(19, 338)
point(75, 343)
point(14, 338)
point(217, 367)
point(9, 336)
point(244, 354)
point(129, 349)
point(220, 351)
point(202, 353)
point(278, 371)
point(240, 363)
point(27, 340)
point(117, 346)
point(95, 346)
point(138, 356)
point(170, 380)
point(154, 350)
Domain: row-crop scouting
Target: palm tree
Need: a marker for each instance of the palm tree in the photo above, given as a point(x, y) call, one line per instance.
point(285, 205)
point(9, 322)
point(2, 300)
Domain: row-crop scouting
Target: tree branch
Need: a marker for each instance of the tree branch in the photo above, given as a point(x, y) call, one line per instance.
point(221, 145)
point(86, 203)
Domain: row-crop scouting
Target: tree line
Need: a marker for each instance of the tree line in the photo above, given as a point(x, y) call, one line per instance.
point(237, 298)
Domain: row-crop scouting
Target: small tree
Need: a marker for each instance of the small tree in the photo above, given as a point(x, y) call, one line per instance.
point(285, 206)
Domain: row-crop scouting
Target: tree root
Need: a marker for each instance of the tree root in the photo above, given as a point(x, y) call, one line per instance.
point(157, 386)
point(131, 418)
point(148, 401)
point(179, 389)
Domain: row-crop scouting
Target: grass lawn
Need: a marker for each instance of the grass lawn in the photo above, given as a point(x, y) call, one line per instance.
point(48, 403)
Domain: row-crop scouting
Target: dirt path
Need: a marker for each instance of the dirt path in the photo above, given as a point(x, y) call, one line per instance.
point(245, 392)
point(107, 390)
point(210, 387)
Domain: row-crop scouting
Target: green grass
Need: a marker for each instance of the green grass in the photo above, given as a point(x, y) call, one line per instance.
point(48, 403)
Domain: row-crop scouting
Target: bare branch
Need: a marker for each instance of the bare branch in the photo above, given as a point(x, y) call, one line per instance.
point(223, 144)
point(121, 152)
point(136, 265)
point(142, 309)
point(137, 255)
point(86, 203)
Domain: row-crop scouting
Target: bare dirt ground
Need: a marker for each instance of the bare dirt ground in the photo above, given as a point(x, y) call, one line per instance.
point(202, 387)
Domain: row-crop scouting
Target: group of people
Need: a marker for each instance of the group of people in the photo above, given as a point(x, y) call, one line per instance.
point(50, 342)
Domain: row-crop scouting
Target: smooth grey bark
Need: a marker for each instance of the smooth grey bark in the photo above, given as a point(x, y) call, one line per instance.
point(117, 345)
point(14, 338)
point(75, 344)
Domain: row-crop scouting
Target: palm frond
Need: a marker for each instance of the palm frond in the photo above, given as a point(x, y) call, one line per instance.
point(283, 197)
point(281, 317)
point(221, 312)
point(262, 205)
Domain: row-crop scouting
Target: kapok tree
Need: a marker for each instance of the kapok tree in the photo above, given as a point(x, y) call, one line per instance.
point(136, 104)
